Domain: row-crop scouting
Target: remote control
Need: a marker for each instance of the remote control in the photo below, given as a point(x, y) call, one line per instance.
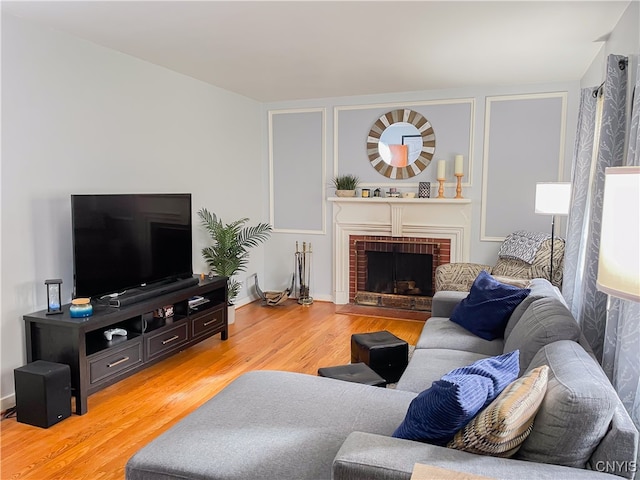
point(108, 334)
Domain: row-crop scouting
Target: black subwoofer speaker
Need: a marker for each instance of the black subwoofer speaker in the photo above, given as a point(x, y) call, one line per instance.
point(43, 393)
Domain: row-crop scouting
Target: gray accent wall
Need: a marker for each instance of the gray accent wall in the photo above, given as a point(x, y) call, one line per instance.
point(452, 120)
point(524, 143)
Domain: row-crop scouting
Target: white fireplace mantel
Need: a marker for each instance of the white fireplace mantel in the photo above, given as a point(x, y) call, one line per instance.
point(396, 217)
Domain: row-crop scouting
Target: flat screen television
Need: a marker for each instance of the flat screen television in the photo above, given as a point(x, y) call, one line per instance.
point(125, 241)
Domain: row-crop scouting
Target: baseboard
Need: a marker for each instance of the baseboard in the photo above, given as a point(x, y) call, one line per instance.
point(7, 402)
point(252, 298)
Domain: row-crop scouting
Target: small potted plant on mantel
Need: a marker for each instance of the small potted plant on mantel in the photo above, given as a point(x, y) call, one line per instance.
point(229, 253)
point(346, 185)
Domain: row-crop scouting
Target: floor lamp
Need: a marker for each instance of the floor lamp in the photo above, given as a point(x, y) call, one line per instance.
point(553, 198)
point(619, 258)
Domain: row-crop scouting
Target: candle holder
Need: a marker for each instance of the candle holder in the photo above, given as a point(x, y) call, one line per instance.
point(459, 186)
point(441, 188)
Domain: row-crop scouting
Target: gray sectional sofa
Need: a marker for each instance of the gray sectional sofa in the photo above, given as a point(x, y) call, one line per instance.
point(282, 425)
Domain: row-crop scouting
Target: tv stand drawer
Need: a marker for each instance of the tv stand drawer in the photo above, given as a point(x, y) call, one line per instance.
point(167, 340)
point(208, 322)
point(114, 361)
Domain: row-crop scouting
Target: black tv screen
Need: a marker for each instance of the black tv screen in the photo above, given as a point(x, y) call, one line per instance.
point(122, 241)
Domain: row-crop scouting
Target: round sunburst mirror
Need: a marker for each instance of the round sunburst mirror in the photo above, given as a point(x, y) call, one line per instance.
point(401, 144)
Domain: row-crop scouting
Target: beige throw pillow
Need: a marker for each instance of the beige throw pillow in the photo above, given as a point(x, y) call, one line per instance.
point(500, 429)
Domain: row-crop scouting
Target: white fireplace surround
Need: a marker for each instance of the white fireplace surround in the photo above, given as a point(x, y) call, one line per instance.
point(448, 219)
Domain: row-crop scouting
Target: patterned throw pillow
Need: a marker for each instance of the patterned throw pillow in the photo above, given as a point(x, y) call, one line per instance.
point(500, 429)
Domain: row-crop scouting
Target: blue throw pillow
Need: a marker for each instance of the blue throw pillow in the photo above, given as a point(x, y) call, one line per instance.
point(486, 310)
point(436, 414)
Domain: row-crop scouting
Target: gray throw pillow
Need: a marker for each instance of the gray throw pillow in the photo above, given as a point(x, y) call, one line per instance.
point(546, 321)
point(576, 411)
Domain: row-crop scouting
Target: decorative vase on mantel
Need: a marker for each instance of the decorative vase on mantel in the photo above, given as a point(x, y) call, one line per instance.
point(345, 193)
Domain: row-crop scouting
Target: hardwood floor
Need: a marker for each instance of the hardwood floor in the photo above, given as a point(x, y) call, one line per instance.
point(124, 417)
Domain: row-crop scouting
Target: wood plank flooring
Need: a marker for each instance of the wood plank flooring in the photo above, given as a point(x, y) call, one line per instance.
point(124, 417)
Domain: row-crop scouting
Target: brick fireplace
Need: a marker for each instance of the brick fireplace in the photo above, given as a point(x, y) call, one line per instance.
point(426, 226)
point(397, 272)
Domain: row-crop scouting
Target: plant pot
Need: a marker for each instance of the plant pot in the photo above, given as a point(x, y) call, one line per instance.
point(345, 193)
point(231, 314)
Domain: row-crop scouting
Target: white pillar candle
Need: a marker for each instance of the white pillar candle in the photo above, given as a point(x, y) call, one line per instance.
point(459, 167)
point(441, 167)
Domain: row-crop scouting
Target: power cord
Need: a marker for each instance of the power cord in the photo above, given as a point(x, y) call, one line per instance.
point(9, 413)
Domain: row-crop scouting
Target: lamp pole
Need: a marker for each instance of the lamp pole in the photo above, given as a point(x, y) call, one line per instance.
point(553, 224)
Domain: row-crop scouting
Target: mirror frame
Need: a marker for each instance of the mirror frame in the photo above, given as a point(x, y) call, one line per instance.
point(428, 143)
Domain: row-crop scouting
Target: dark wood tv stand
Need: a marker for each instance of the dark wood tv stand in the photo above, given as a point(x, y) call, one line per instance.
point(97, 362)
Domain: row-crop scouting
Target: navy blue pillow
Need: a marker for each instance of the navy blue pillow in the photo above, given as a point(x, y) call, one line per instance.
point(486, 310)
point(436, 414)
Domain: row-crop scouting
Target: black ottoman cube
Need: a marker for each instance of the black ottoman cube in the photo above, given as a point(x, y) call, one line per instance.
point(385, 353)
point(355, 372)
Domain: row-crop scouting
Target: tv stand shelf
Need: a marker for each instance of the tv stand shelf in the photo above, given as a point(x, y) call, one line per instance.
point(97, 362)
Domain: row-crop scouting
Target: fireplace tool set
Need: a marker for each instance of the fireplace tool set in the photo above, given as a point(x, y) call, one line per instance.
point(303, 271)
point(300, 277)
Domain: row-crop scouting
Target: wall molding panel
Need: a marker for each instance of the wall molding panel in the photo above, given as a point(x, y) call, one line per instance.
point(297, 153)
point(536, 123)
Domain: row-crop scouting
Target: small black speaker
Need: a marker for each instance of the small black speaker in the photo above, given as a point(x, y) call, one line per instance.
point(43, 393)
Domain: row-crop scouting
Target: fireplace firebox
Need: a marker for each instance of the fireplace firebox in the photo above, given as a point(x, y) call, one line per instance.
point(396, 272)
point(399, 273)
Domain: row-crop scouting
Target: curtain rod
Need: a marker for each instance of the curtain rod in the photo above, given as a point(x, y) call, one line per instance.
point(622, 65)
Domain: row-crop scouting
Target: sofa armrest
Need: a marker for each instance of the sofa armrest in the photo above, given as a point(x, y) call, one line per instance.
point(366, 456)
point(444, 302)
point(458, 276)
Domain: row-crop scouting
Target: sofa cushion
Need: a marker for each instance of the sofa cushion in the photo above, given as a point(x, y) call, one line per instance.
point(269, 425)
point(544, 322)
point(500, 429)
point(442, 333)
point(517, 313)
point(576, 411)
point(541, 287)
point(444, 302)
point(436, 414)
point(430, 364)
point(487, 308)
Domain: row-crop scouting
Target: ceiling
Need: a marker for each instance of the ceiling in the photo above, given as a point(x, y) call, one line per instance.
point(293, 50)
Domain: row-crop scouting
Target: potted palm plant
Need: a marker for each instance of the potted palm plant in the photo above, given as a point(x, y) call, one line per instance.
point(346, 185)
point(229, 253)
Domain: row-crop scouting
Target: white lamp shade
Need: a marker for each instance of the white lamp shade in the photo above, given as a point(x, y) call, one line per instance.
point(619, 260)
point(553, 198)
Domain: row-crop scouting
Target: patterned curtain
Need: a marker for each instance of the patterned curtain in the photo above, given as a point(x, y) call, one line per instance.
point(576, 224)
point(614, 335)
point(620, 357)
point(589, 305)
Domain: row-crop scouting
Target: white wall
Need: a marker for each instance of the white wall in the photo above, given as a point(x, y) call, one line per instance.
point(79, 118)
point(624, 40)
